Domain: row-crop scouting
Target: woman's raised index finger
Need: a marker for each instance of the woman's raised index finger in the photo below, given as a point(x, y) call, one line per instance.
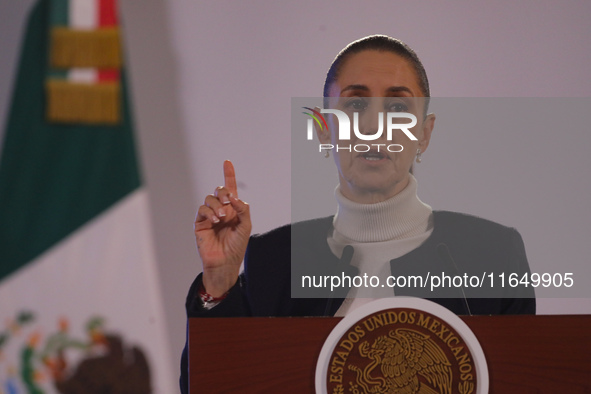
point(230, 178)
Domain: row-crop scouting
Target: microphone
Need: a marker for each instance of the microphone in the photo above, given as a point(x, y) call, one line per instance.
point(444, 253)
point(346, 258)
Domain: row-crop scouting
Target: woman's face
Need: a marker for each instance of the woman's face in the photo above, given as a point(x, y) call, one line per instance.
point(392, 84)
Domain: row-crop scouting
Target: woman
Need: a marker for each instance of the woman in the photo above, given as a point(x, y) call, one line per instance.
point(380, 228)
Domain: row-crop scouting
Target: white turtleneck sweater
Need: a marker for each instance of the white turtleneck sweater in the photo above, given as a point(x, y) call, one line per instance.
point(379, 233)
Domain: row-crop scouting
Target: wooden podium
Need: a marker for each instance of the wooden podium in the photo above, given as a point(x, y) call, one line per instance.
point(525, 354)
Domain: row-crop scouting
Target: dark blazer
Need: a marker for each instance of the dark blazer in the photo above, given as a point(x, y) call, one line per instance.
point(459, 245)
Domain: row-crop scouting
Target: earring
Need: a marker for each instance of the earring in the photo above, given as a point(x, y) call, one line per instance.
point(327, 154)
point(419, 154)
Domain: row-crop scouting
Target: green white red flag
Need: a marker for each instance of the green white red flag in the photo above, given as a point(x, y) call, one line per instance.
point(80, 303)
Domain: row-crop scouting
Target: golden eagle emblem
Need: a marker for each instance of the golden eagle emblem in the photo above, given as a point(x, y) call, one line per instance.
point(405, 361)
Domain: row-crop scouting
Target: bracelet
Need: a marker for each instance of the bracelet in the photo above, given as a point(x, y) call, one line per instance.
point(207, 300)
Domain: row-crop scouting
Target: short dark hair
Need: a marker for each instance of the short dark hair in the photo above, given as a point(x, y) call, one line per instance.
point(379, 43)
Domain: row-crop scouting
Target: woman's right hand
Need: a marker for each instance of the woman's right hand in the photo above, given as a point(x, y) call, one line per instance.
point(222, 230)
